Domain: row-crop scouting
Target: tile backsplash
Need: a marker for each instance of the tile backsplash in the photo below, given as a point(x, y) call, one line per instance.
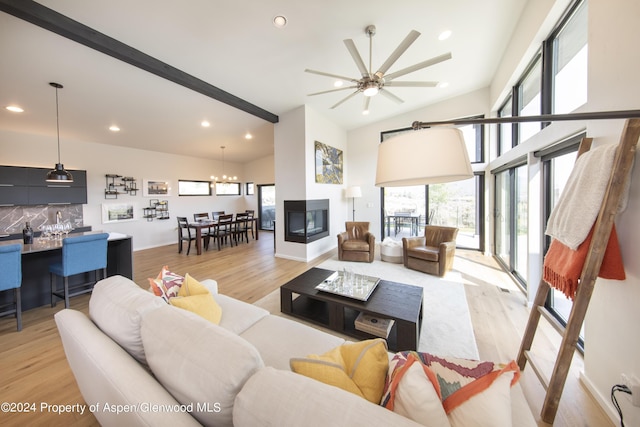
point(13, 218)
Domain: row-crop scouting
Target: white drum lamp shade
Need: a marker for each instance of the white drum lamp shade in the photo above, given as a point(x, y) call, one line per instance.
point(429, 156)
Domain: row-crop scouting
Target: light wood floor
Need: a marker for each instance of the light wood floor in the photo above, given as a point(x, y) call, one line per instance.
point(33, 368)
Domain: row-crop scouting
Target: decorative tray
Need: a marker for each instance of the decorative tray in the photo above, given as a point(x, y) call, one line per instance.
point(360, 287)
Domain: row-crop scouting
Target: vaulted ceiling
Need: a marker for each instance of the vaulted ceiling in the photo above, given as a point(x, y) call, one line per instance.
point(232, 51)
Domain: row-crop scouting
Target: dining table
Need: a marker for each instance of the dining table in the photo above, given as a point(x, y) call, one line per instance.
point(399, 217)
point(205, 223)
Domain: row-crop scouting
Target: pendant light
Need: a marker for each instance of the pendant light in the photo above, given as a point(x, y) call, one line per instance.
point(225, 178)
point(58, 174)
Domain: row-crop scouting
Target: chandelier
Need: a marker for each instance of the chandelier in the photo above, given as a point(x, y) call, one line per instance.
point(225, 178)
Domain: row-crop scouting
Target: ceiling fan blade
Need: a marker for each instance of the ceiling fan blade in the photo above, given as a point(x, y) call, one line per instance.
point(411, 84)
point(367, 99)
point(402, 47)
point(418, 66)
point(345, 99)
point(335, 76)
point(351, 47)
point(331, 90)
point(391, 96)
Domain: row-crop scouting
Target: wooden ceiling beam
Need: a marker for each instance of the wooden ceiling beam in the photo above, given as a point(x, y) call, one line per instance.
point(64, 26)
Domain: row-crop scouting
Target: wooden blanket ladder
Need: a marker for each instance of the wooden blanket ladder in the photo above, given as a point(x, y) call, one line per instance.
point(619, 175)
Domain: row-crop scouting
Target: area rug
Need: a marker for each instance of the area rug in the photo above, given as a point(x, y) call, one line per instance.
point(446, 324)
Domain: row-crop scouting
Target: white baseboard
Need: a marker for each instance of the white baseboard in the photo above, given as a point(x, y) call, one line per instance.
point(605, 403)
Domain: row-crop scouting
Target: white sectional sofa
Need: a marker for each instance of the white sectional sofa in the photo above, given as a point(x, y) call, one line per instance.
point(141, 362)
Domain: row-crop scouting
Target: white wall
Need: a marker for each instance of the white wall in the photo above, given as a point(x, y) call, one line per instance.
point(295, 136)
point(100, 159)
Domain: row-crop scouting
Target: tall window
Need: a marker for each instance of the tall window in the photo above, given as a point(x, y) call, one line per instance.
point(457, 204)
point(556, 81)
point(505, 136)
point(529, 101)
point(570, 62)
point(511, 227)
point(558, 163)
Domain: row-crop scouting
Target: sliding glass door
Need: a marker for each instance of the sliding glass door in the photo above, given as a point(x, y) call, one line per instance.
point(267, 206)
point(511, 228)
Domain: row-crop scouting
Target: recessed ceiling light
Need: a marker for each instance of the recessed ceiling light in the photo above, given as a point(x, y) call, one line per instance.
point(280, 21)
point(444, 35)
point(442, 85)
point(248, 136)
point(365, 112)
point(15, 109)
point(205, 124)
point(338, 83)
point(114, 128)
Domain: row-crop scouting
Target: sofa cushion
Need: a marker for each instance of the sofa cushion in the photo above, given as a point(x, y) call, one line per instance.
point(359, 368)
point(274, 397)
point(238, 315)
point(198, 362)
point(196, 298)
point(116, 307)
point(108, 377)
point(279, 339)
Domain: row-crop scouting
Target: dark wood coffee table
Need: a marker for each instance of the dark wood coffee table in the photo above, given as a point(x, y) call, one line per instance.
point(397, 301)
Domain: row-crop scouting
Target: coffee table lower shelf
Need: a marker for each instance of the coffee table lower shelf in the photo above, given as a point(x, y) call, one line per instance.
point(318, 312)
point(390, 300)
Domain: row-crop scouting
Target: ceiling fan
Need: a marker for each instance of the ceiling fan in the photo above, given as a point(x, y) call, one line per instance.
point(372, 83)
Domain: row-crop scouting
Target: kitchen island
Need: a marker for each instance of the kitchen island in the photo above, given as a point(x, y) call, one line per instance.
point(36, 258)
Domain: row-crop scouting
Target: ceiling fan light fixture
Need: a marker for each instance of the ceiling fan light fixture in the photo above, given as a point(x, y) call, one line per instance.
point(371, 89)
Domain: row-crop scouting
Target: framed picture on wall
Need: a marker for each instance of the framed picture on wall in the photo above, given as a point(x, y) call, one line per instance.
point(119, 212)
point(328, 164)
point(155, 188)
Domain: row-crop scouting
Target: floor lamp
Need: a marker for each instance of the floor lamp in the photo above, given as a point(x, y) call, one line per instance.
point(438, 155)
point(353, 192)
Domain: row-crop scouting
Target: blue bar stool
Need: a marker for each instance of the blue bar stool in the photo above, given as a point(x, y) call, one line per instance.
point(81, 254)
point(11, 277)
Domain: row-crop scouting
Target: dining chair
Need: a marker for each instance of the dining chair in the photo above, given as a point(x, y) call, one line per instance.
point(205, 232)
point(216, 214)
point(184, 234)
point(80, 254)
point(11, 278)
point(240, 227)
point(250, 219)
point(224, 230)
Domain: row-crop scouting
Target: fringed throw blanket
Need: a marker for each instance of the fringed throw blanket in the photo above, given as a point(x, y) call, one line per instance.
point(572, 220)
point(563, 266)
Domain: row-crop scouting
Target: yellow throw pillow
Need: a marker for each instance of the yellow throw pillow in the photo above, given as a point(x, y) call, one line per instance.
point(195, 297)
point(360, 368)
point(191, 286)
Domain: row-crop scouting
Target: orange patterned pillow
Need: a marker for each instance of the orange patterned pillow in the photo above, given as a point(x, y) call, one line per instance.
point(167, 284)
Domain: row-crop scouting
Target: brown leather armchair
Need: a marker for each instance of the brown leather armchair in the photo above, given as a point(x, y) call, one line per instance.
point(432, 253)
point(357, 243)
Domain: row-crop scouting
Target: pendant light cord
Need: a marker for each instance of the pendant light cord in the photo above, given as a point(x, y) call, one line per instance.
point(58, 123)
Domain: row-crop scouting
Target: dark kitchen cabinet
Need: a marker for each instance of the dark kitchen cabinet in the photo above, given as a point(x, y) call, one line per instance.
point(27, 186)
point(13, 185)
